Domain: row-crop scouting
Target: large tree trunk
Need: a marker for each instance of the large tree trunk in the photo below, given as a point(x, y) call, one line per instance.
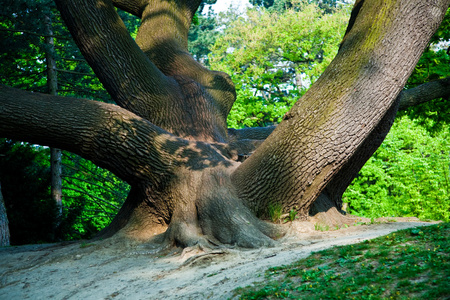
point(325, 132)
point(167, 135)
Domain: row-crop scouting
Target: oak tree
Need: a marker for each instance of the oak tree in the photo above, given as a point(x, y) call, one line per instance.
point(167, 134)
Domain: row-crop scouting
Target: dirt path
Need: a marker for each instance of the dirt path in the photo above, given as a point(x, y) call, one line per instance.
point(102, 271)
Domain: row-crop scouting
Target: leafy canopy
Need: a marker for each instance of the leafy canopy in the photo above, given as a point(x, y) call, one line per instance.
point(274, 57)
point(433, 65)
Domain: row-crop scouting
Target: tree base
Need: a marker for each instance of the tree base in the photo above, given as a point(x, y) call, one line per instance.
point(206, 211)
point(324, 213)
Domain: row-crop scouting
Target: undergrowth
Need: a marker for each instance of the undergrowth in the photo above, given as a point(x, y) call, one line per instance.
point(408, 264)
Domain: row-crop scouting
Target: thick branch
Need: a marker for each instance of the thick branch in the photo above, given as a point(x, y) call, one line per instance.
point(323, 130)
point(133, 81)
point(425, 92)
point(254, 133)
point(166, 22)
point(106, 134)
point(163, 36)
point(337, 186)
point(134, 7)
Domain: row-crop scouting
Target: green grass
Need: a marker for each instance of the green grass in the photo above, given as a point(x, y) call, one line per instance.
point(275, 212)
point(408, 264)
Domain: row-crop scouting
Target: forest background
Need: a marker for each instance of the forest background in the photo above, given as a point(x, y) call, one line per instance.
point(272, 60)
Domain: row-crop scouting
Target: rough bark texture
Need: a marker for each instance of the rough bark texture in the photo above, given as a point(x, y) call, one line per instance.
point(167, 135)
point(330, 200)
point(324, 130)
point(425, 92)
point(4, 228)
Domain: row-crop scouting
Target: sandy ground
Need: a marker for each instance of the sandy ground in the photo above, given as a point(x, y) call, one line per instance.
point(104, 271)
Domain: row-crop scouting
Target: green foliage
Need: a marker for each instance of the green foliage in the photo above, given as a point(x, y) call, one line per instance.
point(433, 65)
point(407, 176)
point(442, 34)
point(262, 3)
point(273, 58)
point(21, 58)
point(292, 215)
point(92, 196)
point(22, 61)
point(25, 178)
point(195, 20)
point(202, 34)
point(275, 212)
point(408, 264)
point(328, 6)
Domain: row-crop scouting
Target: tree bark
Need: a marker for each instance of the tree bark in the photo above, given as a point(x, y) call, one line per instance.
point(106, 134)
point(425, 92)
point(327, 126)
point(52, 84)
point(129, 77)
point(167, 136)
point(4, 228)
point(182, 97)
point(176, 184)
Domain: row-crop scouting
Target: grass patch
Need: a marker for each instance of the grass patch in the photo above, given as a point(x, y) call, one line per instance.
point(275, 212)
point(408, 264)
point(321, 227)
point(292, 215)
point(84, 244)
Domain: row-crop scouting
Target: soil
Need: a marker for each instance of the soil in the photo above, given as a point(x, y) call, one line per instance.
point(113, 269)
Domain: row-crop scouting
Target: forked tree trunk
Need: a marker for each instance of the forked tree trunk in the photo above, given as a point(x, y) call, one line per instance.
point(167, 135)
point(343, 118)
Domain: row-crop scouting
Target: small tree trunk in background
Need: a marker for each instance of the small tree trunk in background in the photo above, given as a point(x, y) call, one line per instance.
point(55, 157)
point(52, 84)
point(4, 229)
point(298, 80)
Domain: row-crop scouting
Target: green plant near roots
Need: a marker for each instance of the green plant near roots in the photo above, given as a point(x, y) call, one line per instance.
point(408, 264)
point(84, 244)
point(275, 212)
point(292, 215)
point(321, 227)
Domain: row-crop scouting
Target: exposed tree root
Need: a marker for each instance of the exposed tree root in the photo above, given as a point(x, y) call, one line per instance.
point(233, 226)
point(194, 256)
point(212, 215)
point(217, 221)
